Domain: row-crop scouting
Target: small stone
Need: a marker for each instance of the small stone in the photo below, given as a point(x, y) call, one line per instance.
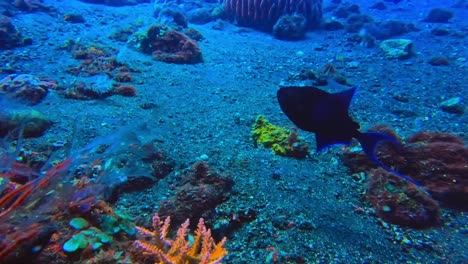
point(439, 61)
point(440, 31)
point(379, 6)
point(397, 48)
point(78, 223)
point(332, 25)
point(353, 64)
point(439, 15)
point(453, 105)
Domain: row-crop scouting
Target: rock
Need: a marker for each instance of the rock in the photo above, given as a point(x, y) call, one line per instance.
point(439, 61)
point(356, 22)
point(397, 48)
point(10, 37)
point(353, 64)
point(332, 25)
point(439, 31)
point(74, 18)
point(200, 16)
point(346, 9)
point(379, 6)
point(290, 27)
point(34, 123)
point(453, 105)
point(439, 15)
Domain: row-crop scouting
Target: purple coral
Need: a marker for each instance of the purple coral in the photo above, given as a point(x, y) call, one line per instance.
point(264, 14)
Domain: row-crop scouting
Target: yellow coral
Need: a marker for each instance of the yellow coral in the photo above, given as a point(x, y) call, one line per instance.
point(202, 250)
point(281, 140)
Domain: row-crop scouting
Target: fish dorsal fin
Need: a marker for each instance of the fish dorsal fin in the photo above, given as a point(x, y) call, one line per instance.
point(346, 96)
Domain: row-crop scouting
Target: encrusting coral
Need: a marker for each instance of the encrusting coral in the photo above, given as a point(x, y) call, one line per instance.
point(282, 141)
point(201, 250)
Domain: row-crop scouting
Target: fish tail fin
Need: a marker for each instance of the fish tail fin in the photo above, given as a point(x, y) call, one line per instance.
point(369, 142)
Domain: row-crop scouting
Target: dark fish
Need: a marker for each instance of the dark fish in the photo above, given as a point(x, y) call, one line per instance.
point(326, 115)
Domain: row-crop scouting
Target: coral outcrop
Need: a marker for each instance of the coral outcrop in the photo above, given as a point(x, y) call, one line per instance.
point(438, 161)
point(167, 45)
point(26, 88)
point(201, 190)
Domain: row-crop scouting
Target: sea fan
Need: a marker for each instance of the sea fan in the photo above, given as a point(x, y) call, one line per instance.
point(263, 14)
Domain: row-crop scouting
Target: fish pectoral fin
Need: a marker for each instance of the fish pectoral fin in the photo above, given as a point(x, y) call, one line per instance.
point(369, 142)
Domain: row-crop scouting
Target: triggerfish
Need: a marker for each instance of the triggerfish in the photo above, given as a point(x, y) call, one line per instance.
point(326, 115)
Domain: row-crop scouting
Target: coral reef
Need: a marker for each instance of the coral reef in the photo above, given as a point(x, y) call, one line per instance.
point(201, 190)
point(181, 250)
point(436, 160)
point(167, 45)
point(263, 14)
point(26, 87)
point(282, 141)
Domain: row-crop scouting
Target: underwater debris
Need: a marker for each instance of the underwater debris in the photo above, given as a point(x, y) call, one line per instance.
point(264, 14)
point(281, 140)
point(161, 249)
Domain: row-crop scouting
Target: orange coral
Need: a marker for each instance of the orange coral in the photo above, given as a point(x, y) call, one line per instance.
point(202, 250)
